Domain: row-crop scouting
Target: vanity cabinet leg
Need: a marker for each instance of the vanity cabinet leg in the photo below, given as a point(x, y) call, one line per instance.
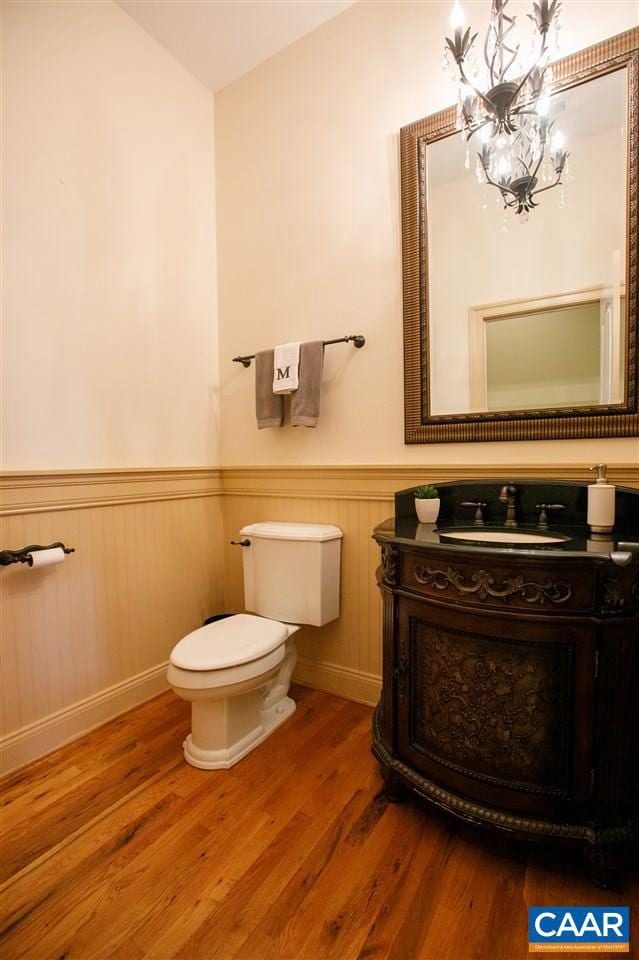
point(393, 787)
point(605, 863)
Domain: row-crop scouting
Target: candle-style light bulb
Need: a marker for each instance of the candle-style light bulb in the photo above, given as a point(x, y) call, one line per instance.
point(543, 105)
point(503, 168)
point(558, 142)
point(457, 17)
point(485, 133)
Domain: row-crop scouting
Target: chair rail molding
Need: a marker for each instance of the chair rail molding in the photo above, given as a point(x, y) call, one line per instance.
point(39, 491)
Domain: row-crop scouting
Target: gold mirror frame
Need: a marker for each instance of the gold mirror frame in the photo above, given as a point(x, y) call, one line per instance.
point(610, 420)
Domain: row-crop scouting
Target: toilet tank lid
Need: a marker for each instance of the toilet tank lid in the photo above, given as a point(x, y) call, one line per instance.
point(274, 530)
point(229, 642)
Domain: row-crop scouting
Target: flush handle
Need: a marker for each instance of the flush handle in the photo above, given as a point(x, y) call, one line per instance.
point(241, 543)
point(621, 557)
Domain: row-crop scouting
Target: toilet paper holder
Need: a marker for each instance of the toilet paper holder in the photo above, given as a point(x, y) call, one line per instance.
point(22, 556)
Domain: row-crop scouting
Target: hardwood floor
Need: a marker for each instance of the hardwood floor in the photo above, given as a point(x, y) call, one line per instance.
point(115, 848)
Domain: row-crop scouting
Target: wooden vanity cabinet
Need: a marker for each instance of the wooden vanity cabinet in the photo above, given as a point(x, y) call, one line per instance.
point(509, 693)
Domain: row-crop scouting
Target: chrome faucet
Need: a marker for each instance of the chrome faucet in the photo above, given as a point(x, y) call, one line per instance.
point(508, 496)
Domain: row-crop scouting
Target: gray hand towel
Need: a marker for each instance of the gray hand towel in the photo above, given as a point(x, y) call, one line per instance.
point(305, 402)
point(269, 408)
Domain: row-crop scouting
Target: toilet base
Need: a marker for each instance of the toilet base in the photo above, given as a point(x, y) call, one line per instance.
point(224, 757)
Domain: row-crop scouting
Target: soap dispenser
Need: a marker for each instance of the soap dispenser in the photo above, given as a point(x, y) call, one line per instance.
point(601, 502)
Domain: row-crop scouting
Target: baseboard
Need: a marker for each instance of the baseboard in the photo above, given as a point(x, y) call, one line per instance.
point(342, 681)
point(43, 736)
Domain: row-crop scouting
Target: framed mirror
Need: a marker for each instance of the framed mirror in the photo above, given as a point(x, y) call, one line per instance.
point(525, 327)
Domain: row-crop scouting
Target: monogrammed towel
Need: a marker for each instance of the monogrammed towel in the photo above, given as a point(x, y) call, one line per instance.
point(269, 408)
point(286, 367)
point(305, 402)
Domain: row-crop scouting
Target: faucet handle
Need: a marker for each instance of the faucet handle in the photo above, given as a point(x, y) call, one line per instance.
point(544, 507)
point(479, 511)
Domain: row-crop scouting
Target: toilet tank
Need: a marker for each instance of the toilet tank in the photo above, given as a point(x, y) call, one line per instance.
point(291, 571)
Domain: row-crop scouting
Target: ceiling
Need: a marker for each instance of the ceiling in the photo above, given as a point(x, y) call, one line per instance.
point(219, 40)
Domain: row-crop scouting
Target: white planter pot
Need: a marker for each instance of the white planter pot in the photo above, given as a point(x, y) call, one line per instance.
point(427, 510)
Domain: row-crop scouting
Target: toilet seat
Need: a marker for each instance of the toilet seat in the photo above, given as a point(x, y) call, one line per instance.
point(227, 676)
point(230, 643)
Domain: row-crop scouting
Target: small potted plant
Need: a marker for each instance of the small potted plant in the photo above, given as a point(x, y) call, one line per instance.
point(427, 504)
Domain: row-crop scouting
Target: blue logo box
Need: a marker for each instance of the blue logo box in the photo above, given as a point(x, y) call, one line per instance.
point(591, 929)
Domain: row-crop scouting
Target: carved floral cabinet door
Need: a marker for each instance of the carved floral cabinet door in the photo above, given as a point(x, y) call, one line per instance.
point(489, 714)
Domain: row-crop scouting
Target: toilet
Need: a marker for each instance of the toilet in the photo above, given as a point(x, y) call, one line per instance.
point(236, 672)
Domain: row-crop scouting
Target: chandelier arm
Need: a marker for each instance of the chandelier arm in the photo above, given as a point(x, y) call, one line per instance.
point(501, 187)
point(526, 76)
point(472, 86)
point(542, 154)
point(550, 186)
point(480, 126)
point(504, 46)
point(491, 67)
point(487, 57)
point(525, 111)
point(511, 61)
point(525, 166)
point(501, 45)
point(518, 144)
point(532, 174)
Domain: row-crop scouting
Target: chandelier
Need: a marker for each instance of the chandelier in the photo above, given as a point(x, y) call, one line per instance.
point(506, 102)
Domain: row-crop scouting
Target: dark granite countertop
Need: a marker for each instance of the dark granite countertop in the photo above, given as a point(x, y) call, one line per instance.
point(578, 542)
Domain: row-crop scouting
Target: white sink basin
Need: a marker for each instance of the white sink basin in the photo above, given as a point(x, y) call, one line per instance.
point(500, 536)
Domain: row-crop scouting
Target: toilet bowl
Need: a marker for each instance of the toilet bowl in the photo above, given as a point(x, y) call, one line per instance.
point(236, 671)
point(234, 705)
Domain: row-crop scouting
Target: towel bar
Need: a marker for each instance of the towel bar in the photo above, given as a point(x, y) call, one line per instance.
point(356, 338)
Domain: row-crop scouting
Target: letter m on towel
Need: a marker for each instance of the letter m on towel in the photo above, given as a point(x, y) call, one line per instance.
point(283, 374)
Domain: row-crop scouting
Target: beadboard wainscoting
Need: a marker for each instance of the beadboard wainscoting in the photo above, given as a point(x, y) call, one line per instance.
point(88, 639)
point(344, 657)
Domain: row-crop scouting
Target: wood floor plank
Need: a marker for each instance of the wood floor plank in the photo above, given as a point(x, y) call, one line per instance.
point(273, 936)
point(116, 849)
point(106, 847)
point(418, 917)
point(338, 886)
point(68, 813)
point(153, 853)
point(365, 900)
point(465, 896)
point(206, 933)
point(226, 929)
point(382, 930)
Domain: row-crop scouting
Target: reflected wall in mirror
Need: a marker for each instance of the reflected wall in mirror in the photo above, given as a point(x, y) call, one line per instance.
point(525, 327)
point(564, 351)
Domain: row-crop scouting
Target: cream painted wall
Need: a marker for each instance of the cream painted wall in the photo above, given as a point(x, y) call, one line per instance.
point(309, 228)
point(109, 337)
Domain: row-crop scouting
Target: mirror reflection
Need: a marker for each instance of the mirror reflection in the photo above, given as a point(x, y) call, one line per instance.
point(529, 313)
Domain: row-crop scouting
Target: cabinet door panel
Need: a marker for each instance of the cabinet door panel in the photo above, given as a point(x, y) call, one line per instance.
point(499, 710)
